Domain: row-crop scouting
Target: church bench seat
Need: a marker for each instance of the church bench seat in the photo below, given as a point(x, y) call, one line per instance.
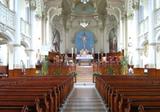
point(35, 102)
point(131, 103)
point(155, 107)
point(123, 83)
point(110, 86)
point(60, 87)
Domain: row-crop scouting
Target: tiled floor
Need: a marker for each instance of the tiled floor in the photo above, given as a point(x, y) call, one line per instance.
point(84, 98)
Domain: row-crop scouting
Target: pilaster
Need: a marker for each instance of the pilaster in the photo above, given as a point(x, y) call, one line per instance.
point(16, 49)
point(151, 38)
point(17, 42)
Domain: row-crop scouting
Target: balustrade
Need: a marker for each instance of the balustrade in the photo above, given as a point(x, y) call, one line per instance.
point(7, 17)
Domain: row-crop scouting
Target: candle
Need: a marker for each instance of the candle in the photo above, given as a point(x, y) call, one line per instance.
point(75, 50)
point(98, 56)
point(92, 50)
point(72, 51)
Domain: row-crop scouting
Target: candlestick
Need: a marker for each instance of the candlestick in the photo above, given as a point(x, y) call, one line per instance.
point(92, 50)
point(75, 50)
point(72, 51)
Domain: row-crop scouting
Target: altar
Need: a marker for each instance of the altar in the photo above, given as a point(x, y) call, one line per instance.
point(87, 59)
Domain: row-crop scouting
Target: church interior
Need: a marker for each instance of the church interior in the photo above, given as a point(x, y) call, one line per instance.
point(80, 55)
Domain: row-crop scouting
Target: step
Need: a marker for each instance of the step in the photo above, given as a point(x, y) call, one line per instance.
point(84, 109)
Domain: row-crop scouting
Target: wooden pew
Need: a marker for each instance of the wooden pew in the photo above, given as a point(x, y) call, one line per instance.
point(33, 86)
point(108, 85)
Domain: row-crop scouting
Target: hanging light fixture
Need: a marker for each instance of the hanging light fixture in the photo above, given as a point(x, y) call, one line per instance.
point(84, 1)
point(84, 23)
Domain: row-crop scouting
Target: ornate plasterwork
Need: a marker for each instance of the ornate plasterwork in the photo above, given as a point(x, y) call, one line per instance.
point(39, 8)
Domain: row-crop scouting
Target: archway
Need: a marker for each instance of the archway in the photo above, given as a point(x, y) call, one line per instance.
point(84, 40)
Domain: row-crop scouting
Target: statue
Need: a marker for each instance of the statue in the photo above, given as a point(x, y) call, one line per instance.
point(112, 41)
point(56, 40)
point(84, 39)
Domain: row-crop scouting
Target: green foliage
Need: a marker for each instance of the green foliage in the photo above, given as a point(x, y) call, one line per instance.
point(124, 61)
point(110, 70)
point(124, 65)
point(45, 66)
point(96, 74)
point(74, 74)
point(57, 72)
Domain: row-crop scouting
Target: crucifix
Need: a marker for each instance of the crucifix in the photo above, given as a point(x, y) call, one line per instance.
point(84, 39)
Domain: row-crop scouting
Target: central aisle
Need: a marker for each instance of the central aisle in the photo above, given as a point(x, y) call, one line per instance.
point(84, 73)
point(84, 98)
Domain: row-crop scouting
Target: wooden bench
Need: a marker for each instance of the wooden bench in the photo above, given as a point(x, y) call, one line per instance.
point(118, 90)
point(50, 94)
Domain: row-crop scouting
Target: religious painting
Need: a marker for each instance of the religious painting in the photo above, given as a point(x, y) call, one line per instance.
point(55, 40)
point(112, 40)
point(84, 41)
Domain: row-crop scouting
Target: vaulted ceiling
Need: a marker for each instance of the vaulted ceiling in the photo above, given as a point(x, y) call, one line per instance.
point(93, 10)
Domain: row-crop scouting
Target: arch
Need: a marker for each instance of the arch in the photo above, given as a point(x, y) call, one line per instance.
point(84, 40)
point(158, 36)
point(57, 11)
point(25, 44)
point(7, 36)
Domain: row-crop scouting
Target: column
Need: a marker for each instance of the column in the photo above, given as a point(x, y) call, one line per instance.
point(10, 56)
point(12, 4)
point(125, 38)
point(34, 39)
point(47, 30)
point(17, 53)
point(119, 40)
point(134, 40)
point(17, 42)
point(151, 37)
point(32, 62)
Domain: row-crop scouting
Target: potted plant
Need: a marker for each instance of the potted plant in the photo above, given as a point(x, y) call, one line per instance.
point(95, 74)
point(57, 72)
point(45, 66)
point(110, 70)
point(74, 74)
point(124, 65)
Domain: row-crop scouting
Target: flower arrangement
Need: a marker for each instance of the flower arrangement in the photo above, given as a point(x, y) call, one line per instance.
point(110, 70)
point(124, 65)
point(57, 72)
point(95, 74)
point(45, 66)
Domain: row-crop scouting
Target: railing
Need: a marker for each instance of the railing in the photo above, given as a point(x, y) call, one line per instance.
point(25, 28)
point(7, 17)
point(157, 18)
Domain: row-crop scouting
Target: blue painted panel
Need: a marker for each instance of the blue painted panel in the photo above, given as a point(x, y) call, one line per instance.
point(88, 43)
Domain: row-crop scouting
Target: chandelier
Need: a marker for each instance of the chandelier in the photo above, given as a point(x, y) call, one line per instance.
point(84, 23)
point(84, 1)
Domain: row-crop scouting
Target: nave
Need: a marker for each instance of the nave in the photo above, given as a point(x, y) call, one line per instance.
point(84, 98)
